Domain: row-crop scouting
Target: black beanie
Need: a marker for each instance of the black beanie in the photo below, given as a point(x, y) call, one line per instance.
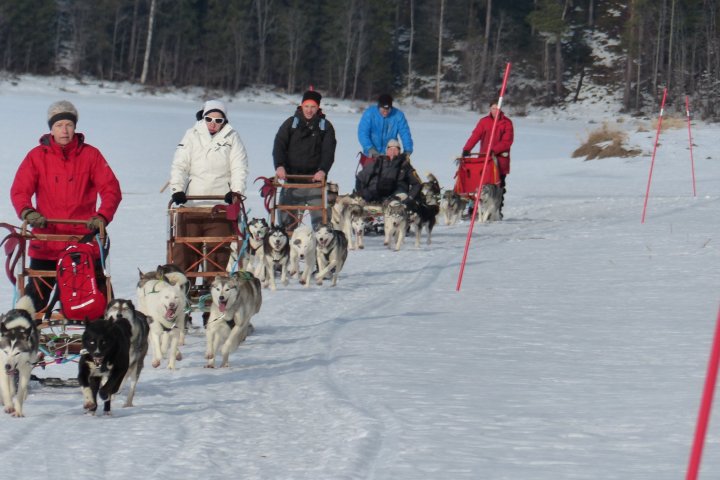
point(311, 95)
point(385, 100)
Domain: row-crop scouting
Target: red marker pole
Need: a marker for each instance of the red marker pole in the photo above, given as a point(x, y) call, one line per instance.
point(692, 160)
point(705, 406)
point(652, 163)
point(477, 194)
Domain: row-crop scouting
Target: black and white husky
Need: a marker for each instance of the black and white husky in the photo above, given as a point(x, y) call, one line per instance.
point(235, 300)
point(490, 201)
point(164, 306)
point(140, 329)
point(302, 249)
point(104, 362)
point(19, 344)
point(423, 211)
point(395, 216)
point(276, 255)
point(348, 216)
point(331, 252)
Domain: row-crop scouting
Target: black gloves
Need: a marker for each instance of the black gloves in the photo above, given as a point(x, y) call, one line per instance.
point(34, 218)
point(466, 153)
point(229, 197)
point(179, 198)
point(95, 223)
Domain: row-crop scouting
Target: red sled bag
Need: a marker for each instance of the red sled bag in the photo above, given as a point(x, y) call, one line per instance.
point(77, 288)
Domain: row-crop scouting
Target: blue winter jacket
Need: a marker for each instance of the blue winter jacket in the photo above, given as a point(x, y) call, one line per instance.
point(374, 131)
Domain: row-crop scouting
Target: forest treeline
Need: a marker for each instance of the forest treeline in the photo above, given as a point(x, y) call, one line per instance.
point(450, 51)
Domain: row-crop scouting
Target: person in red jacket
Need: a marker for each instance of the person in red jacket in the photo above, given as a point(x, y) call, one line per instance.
point(502, 140)
point(66, 176)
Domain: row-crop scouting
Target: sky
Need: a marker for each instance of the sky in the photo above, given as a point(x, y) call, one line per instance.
point(576, 348)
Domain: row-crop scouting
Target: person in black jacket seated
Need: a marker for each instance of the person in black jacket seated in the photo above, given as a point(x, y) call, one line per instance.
point(390, 174)
point(304, 145)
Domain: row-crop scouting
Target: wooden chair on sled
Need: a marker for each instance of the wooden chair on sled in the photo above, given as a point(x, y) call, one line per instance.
point(296, 213)
point(205, 267)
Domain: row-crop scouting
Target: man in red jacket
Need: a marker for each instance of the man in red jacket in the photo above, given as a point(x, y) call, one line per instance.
point(66, 175)
point(502, 141)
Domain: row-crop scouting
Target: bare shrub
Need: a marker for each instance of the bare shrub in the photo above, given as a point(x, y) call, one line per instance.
point(603, 143)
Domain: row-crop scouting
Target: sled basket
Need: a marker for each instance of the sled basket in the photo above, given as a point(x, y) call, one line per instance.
point(473, 172)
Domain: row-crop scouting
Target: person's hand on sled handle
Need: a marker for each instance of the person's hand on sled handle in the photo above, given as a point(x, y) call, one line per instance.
point(373, 153)
point(96, 223)
point(179, 198)
point(319, 176)
point(466, 153)
point(280, 173)
point(34, 218)
point(229, 197)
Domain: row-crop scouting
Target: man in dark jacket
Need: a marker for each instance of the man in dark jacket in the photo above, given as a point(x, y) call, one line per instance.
point(304, 145)
point(389, 174)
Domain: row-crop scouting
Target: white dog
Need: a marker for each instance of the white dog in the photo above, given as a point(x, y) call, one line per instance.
point(234, 301)
point(164, 306)
point(395, 216)
point(19, 345)
point(348, 216)
point(302, 249)
point(332, 251)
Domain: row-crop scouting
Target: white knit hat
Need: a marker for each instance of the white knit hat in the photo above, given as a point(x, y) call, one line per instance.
point(62, 110)
point(214, 106)
point(393, 143)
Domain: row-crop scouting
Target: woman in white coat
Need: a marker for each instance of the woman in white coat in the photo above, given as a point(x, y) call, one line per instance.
point(210, 160)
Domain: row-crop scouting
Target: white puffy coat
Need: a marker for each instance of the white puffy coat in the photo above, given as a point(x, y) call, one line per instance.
point(209, 165)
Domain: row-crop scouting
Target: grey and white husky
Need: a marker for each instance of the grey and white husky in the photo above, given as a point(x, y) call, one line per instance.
point(348, 216)
point(252, 261)
point(490, 201)
point(395, 216)
point(140, 330)
point(235, 300)
point(19, 344)
point(331, 252)
point(452, 206)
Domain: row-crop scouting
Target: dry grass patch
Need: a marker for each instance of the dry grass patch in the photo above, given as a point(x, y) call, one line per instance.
point(670, 123)
point(603, 143)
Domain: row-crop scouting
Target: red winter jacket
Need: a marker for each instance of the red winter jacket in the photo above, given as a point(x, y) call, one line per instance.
point(66, 182)
point(502, 140)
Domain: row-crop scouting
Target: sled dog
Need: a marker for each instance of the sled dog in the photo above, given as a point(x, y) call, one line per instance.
point(252, 260)
point(422, 215)
point(490, 200)
point(139, 330)
point(452, 206)
point(164, 306)
point(331, 252)
point(302, 249)
point(276, 255)
point(395, 216)
point(348, 216)
point(431, 190)
point(19, 344)
point(235, 300)
point(174, 275)
point(104, 362)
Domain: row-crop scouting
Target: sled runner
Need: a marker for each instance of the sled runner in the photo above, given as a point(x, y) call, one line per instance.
point(202, 271)
point(82, 288)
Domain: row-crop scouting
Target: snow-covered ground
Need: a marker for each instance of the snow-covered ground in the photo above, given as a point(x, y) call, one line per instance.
point(576, 348)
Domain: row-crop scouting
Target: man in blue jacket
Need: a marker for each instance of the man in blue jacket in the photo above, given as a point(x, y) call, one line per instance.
point(381, 123)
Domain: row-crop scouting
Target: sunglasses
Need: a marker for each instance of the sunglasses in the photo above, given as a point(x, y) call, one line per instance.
point(219, 121)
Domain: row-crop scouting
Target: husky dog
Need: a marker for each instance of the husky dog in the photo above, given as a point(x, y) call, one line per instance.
point(164, 306)
point(452, 205)
point(422, 215)
point(276, 255)
point(395, 215)
point(235, 300)
point(104, 362)
point(302, 248)
point(431, 190)
point(19, 344)
point(139, 329)
point(332, 251)
point(252, 260)
point(490, 201)
point(173, 275)
point(348, 216)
